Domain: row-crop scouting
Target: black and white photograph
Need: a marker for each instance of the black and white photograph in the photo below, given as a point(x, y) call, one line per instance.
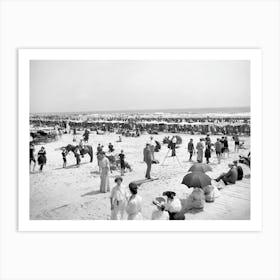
point(140, 139)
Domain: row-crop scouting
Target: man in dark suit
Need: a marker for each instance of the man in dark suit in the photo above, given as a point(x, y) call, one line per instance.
point(148, 159)
point(239, 170)
point(230, 177)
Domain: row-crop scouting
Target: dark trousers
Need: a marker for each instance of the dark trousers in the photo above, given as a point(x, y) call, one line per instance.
point(148, 172)
point(176, 216)
point(224, 178)
point(78, 160)
point(191, 154)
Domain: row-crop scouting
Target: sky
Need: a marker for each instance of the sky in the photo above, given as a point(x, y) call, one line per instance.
point(77, 86)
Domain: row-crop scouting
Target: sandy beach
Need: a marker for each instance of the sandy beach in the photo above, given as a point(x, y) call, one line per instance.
point(73, 193)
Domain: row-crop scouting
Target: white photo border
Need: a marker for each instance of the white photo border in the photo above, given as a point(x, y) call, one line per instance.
point(24, 58)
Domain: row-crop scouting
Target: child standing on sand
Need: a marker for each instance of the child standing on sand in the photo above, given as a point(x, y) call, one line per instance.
point(122, 156)
point(64, 154)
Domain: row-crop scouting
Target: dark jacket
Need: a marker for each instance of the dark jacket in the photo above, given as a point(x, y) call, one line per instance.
point(147, 155)
point(239, 173)
point(231, 176)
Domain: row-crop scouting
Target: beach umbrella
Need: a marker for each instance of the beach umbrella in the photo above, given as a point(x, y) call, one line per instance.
point(201, 167)
point(179, 139)
point(196, 180)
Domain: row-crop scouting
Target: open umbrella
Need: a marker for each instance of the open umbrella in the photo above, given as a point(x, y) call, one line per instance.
point(196, 180)
point(179, 139)
point(200, 167)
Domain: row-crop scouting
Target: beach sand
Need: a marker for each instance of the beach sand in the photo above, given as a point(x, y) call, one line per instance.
point(73, 193)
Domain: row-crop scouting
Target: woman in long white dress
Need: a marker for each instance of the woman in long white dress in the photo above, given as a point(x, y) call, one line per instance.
point(134, 205)
point(118, 199)
point(104, 165)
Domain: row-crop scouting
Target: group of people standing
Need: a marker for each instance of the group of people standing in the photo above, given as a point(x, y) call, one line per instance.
point(205, 147)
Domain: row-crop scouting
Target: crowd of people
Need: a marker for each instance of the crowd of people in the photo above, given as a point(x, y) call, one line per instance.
point(126, 202)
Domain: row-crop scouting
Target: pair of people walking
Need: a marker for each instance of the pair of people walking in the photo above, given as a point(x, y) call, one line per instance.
point(123, 201)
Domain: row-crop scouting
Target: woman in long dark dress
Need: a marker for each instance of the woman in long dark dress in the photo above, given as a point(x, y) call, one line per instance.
point(208, 152)
point(42, 159)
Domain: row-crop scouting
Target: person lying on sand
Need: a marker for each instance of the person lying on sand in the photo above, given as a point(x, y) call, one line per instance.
point(245, 160)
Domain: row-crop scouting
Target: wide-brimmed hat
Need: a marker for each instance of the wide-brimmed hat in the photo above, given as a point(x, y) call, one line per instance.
point(133, 186)
point(118, 178)
point(159, 202)
point(169, 194)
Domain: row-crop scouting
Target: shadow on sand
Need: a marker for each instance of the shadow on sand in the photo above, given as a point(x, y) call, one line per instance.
point(95, 172)
point(71, 166)
point(186, 210)
point(90, 193)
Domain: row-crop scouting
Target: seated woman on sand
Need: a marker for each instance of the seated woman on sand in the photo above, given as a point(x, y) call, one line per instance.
point(195, 200)
point(134, 205)
point(173, 206)
point(118, 199)
point(209, 193)
point(160, 213)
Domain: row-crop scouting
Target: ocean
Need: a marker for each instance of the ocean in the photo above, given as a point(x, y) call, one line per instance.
point(220, 110)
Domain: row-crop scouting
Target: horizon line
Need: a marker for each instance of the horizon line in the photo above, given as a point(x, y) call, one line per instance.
point(140, 110)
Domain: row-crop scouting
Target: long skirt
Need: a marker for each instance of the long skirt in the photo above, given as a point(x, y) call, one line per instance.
point(136, 216)
point(104, 182)
point(199, 155)
point(117, 213)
